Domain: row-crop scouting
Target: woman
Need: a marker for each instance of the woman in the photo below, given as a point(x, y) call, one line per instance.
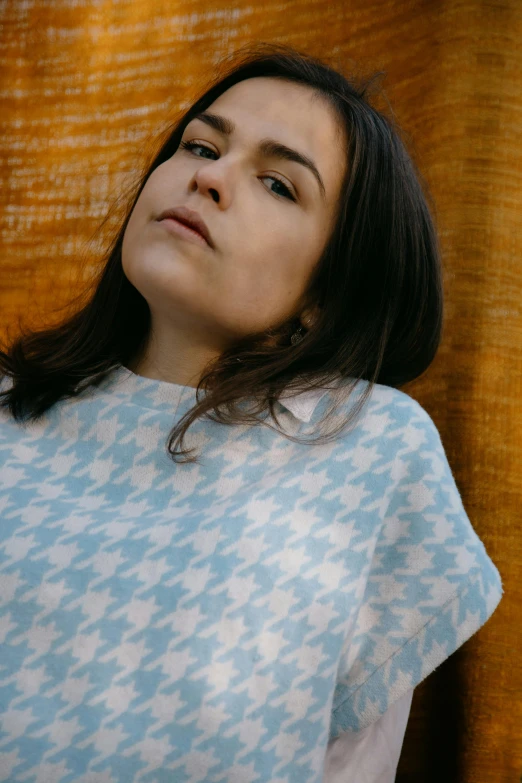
point(261, 611)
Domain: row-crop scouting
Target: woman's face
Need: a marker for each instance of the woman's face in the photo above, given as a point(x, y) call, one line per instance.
point(267, 234)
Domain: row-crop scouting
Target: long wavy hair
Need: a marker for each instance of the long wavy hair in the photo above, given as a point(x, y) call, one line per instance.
point(378, 282)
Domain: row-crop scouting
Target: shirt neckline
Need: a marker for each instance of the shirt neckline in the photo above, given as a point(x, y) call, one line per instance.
point(150, 392)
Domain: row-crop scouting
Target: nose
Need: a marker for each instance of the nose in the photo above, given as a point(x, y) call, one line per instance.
point(214, 179)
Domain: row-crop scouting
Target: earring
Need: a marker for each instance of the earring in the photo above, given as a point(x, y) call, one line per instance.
point(297, 336)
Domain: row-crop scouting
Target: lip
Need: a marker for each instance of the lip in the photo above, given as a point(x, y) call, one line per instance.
point(187, 217)
point(183, 231)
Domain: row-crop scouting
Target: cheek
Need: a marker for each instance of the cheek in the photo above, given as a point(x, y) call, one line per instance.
point(269, 274)
point(156, 195)
point(278, 240)
point(287, 252)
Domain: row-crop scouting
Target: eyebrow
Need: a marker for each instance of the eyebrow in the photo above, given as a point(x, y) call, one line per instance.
point(267, 147)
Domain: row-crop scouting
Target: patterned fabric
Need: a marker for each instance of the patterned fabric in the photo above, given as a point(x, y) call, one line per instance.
point(220, 622)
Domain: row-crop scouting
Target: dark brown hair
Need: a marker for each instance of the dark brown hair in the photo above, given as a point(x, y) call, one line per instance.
point(378, 282)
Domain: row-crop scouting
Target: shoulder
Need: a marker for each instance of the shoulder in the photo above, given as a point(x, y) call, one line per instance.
point(391, 415)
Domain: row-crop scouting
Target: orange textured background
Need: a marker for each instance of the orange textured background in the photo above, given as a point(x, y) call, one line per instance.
point(84, 89)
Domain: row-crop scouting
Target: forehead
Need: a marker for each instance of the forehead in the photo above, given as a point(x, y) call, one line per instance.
point(293, 114)
point(264, 102)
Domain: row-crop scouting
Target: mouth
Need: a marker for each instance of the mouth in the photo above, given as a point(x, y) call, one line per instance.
point(190, 220)
point(179, 229)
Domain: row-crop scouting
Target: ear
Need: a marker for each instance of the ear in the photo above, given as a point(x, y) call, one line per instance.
point(309, 316)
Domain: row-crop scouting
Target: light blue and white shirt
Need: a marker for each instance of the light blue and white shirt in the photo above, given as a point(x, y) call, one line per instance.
point(222, 622)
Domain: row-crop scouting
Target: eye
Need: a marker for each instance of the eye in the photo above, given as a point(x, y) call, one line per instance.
point(190, 145)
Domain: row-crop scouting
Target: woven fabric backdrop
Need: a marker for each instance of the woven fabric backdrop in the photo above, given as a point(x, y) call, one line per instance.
point(86, 87)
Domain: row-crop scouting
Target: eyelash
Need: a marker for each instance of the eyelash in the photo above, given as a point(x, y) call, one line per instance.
point(189, 145)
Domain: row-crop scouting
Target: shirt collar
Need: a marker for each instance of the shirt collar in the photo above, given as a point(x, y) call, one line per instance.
point(303, 405)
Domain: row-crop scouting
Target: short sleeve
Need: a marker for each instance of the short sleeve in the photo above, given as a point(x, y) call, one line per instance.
point(430, 585)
